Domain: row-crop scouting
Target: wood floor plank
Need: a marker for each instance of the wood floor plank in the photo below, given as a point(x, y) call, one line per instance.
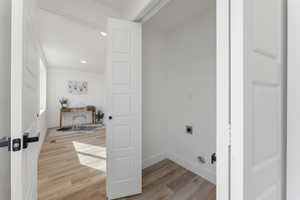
point(204, 192)
point(181, 181)
point(73, 167)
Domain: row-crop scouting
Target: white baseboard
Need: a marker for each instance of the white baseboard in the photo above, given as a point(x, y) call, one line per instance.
point(201, 171)
point(153, 160)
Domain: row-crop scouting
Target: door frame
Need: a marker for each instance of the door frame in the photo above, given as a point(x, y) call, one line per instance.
point(16, 95)
point(223, 88)
point(223, 100)
point(237, 98)
point(293, 161)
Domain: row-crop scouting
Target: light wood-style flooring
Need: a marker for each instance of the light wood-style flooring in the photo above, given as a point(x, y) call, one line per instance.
point(72, 167)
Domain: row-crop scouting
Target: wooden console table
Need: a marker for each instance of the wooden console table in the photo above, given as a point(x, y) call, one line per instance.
point(68, 110)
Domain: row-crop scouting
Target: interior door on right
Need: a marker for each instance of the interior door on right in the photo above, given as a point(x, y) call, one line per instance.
point(263, 98)
point(124, 104)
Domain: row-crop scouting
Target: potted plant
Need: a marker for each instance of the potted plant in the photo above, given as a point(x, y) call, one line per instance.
point(64, 102)
point(99, 116)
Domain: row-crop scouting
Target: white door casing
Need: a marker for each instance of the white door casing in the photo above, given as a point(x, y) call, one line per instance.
point(124, 131)
point(257, 99)
point(24, 100)
point(5, 34)
point(293, 125)
point(223, 100)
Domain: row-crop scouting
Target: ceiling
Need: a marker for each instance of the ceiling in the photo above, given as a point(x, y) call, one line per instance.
point(66, 43)
point(129, 9)
point(70, 29)
point(70, 32)
point(116, 4)
point(92, 12)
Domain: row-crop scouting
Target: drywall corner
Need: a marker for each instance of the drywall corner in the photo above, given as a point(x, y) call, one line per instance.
point(154, 159)
point(200, 171)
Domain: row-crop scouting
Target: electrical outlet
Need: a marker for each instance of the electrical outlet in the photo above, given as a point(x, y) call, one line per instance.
point(201, 159)
point(189, 129)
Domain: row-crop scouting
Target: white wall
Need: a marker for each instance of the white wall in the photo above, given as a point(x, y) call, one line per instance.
point(179, 88)
point(5, 12)
point(57, 88)
point(154, 96)
point(42, 120)
point(43, 128)
point(192, 92)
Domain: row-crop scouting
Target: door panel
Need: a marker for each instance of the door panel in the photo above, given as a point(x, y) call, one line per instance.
point(293, 125)
point(124, 104)
point(5, 24)
point(263, 100)
point(24, 99)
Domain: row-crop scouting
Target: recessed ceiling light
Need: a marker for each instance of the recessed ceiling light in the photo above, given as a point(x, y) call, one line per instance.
point(103, 34)
point(83, 62)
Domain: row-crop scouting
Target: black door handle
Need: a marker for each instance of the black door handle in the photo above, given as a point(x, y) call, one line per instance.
point(110, 117)
point(14, 145)
point(5, 142)
point(27, 140)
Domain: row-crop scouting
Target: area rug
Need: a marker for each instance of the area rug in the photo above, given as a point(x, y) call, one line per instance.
point(83, 128)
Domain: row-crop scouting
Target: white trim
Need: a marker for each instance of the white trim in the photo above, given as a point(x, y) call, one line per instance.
point(153, 160)
point(30, 193)
point(199, 170)
point(223, 89)
point(150, 10)
point(237, 99)
point(17, 192)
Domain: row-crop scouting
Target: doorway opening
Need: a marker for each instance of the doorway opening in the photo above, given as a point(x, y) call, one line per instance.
point(179, 91)
point(178, 114)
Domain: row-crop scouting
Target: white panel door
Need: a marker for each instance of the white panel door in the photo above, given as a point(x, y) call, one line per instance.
point(24, 101)
point(263, 99)
point(124, 165)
